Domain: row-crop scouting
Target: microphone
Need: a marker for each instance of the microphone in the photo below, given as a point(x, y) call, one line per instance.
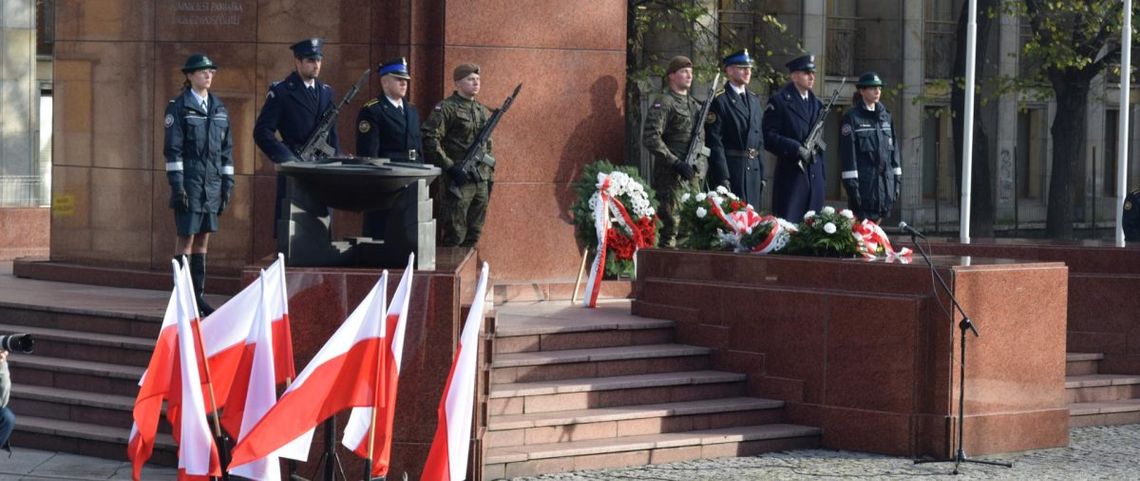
point(911, 230)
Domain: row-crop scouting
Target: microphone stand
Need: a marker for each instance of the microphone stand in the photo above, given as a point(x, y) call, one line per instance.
point(963, 326)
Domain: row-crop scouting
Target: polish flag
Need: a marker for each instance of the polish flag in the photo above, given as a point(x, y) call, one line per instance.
point(359, 422)
point(447, 460)
point(197, 453)
point(226, 332)
point(342, 375)
point(155, 385)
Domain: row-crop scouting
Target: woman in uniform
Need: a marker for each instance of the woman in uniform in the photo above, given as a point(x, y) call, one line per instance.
point(872, 175)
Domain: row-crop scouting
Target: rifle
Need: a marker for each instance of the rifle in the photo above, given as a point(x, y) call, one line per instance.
point(477, 152)
point(317, 146)
point(697, 140)
point(815, 137)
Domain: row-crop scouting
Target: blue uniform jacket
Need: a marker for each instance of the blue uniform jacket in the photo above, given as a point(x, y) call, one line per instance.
point(787, 121)
point(382, 131)
point(734, 137)
point(290, 111)
point(199, 150)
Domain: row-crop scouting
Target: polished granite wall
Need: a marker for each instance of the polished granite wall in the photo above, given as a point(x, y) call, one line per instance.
point(117, 64)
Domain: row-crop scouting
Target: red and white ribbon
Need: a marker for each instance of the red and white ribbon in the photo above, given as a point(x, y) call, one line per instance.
point(601, 227)
point(872, 237)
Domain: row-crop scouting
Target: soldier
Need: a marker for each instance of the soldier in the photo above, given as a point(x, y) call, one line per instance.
point(199, 166)
point(388, 127)
point(792, 111)
point(293, 107)
point(872, 174)
point(733, 135)
point(450, 129)
point(667, 132)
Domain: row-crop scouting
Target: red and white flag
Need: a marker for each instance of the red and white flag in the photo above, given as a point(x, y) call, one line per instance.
point(226, 332)
point(447, 460)
point(359, 422)
point(197, 453)
point(342, 375)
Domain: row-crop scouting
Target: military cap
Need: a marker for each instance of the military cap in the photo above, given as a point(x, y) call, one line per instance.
point(397, 67)
point(802, 64)
point(308, 48)
point(738, 59)
point(463, 70)
point(677, 63)
point(196, 62)
point(869, 79)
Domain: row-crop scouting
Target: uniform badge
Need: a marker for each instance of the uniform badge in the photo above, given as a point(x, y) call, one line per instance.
point(769, 107)
point(1127, 205)
point(711, 118)
point(168, 121)
point(269, 94)
point(657, 105)
point(364, 126)
point(438, 107)
point(846, 130)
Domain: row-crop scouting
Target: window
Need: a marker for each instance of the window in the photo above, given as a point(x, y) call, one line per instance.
point(1031, 152)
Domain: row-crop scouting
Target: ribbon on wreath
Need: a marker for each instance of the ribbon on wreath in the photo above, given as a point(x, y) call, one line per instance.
point(872, 237)
point(602, 226)
point(743, 221)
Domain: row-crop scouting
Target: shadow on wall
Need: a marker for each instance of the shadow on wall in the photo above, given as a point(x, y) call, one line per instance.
point(583, 147)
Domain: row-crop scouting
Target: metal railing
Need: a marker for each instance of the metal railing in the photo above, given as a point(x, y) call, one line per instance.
point(22, 191)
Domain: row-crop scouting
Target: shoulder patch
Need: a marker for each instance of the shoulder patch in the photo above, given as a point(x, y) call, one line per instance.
point(1127, 205)
point(711, 118)
point(270, 94)
point(438, 107)
point(364, 126)
point(168, 121)
point(770, 107)
point(657, 105)
point(845, 130)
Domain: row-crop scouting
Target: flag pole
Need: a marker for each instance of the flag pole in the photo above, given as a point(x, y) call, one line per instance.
point(1123, 130)
point(201, 348)
point(381, 399)
point(968, 124)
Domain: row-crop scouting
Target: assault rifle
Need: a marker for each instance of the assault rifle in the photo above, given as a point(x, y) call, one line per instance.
point(477, 152)
point(697, 140)
point(815, 137)
point(317, 146)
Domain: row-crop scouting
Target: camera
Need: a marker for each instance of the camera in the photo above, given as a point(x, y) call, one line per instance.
point(17, 343)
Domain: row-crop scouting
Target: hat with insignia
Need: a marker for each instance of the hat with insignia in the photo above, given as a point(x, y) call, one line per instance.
point(397, 67)
point(308, 48)
point(739, 59)
point(677, 63)
point(802, 64)
point(463, 70)
point(869, 79)
point(196, 62)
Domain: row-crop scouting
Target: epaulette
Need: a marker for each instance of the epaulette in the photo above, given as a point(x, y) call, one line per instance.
point(371, 102)
point(718, 93)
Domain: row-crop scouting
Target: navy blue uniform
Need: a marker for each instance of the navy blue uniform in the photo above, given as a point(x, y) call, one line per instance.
point(870, 157)
point(788, 120)
point(382, 130)
point(199, 158)
point(733, 134)
point(294, 113)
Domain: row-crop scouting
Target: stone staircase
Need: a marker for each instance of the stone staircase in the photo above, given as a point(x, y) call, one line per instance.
point(1097, 399)
point(75, 392)
point(576, 389)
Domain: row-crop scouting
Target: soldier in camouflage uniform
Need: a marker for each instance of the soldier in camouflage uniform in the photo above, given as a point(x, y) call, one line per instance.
point(668, 129)
point(449, 131)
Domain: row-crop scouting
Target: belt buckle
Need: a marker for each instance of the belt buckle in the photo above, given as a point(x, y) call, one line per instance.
point(752, 153)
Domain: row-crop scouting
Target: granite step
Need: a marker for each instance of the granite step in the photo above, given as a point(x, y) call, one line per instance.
point(597, 362)
point(508, 462)
point(87, 346)
point(93, 377)
point(77, 406)
point(1081, 363)
point(585, 393)
point(558, 326)
point(1104, 413)
point(1101, 387)
point(93, 321)
point(585, 424)
point(86, 439)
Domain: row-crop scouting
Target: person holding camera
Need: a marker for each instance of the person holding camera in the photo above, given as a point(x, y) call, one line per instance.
point(7, 418)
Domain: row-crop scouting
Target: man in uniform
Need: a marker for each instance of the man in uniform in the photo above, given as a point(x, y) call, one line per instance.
point(388, 127)
point(792, 111)
point(733, 135)
point(293, 107)
point(667, 132)
point(451, 128)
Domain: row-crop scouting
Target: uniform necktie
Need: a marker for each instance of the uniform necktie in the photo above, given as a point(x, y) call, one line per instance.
point(312, 92)
point(744, 99)
point(204, 109)
point(400, 109)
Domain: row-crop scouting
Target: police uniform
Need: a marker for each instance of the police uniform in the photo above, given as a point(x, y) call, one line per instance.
point(198, 149)
point(788, 119)
point(450, 129)
point(666, 134)
point(293, 110)
point(872, 175)
point(734, 138)
point(387, 131)
point(1131, 216)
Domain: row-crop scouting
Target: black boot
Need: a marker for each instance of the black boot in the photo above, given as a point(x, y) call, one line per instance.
point(198, 277)
point(181, 258)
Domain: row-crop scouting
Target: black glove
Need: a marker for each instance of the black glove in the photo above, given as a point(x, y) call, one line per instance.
point(898, 187)
point(805, 154)
point(852, 188)
point(179, 201)
point(458, 176)
point(684, 170)
point(225, 201)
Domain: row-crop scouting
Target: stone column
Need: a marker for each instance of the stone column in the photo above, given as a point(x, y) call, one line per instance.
point(815, 38)
point(18, 93)
point(1009, 40)
point(909, 119)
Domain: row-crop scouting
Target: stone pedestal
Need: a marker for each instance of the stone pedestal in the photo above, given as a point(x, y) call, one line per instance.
point(867, 351)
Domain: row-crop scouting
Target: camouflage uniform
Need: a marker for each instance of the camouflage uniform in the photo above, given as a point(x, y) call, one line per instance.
point(668, 129)
point(450, 129)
